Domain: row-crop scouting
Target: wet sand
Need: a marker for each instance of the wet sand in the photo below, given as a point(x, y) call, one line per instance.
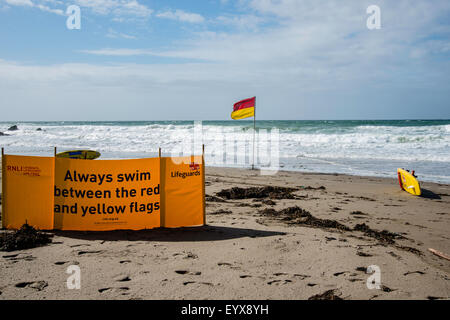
point(249, 251)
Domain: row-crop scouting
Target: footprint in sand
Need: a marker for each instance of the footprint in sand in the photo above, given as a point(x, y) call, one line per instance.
point(38, 285)
point(124, 261)
point(80, 245)
point(337, 274)
point(90, 252)
point(301, 276)
point(286, 281)
point(187, 272)
point(122, 278)
point(122, 290)
point(412, 272)
point(193, 282)
point(19, 256)
point(60, 263)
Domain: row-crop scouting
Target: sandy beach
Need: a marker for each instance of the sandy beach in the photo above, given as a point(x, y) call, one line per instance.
point(252, 249)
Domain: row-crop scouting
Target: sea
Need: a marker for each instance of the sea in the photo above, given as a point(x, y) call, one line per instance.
point(355, 147)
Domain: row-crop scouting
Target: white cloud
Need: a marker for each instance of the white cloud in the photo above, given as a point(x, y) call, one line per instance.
point(119, 52)
point(42, 7)
point(181, 15)
point(116, 7)
point(114, 34)
point(27, 3)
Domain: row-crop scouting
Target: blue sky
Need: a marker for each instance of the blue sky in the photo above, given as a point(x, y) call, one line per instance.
point(189, 60)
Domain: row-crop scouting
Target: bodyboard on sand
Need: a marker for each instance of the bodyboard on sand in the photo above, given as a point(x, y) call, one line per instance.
point(408, 182)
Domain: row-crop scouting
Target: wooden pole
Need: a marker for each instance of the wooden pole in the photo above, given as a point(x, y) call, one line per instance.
point(203, 184)
point(55, 151)
point(3, 224)
point(254, 134)
point(159, 152)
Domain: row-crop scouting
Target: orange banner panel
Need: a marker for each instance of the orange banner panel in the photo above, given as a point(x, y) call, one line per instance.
point(27, 185)
point(105, 195)
point(183, 199)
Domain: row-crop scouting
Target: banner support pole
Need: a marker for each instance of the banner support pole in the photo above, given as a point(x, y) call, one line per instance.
point(203, 184)
point(254, 134)
point(3, 189)
point(54, 151)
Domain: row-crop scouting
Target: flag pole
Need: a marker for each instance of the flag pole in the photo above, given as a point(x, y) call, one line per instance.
point(254, 133)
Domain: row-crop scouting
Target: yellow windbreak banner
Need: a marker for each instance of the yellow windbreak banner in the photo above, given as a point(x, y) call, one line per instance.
point(27, 185)
point(103, 195)
point(183, 200)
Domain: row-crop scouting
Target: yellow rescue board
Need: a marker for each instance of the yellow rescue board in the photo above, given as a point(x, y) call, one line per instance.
point(79, 154)
point(408, 182)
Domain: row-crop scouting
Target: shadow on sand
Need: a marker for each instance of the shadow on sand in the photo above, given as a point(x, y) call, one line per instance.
point(429, 194)
point(203, 233)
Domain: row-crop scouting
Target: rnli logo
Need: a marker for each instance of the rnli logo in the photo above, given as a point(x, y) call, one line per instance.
point(194, 166)
point(31, 171)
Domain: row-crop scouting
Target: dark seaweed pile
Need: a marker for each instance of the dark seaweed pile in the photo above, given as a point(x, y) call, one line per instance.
point(26, 237)
point(382, 236)
point(257, 192)
point(297, 215)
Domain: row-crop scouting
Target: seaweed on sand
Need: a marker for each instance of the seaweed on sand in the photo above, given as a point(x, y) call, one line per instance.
point(258, 192)
point(382, 236)
point(297, 215)
point(26, 237)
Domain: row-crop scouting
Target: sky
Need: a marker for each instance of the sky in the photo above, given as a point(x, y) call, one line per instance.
point(191, 60)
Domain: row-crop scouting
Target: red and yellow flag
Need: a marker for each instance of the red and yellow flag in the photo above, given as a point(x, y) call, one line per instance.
point(244, 109)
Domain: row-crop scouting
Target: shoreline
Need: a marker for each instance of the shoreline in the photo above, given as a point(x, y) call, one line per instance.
point(251, 249)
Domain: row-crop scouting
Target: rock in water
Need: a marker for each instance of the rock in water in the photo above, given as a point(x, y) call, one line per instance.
point(3, 134)
point(13, 128)
point(39, 129)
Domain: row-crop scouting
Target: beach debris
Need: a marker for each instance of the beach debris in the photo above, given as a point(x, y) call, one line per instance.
point(362, 269)
point(257, 192)
point(327, 295)
point(358, 213)
point(386, 289)
point(363, 254)
point(13, 128)
point(191, 255)
point(439, 254)
point(26, 237)
point(210, 198)
point(297, 215)
point(382, 236)
point(410, 249)
point(313, 188)
point(221, 211)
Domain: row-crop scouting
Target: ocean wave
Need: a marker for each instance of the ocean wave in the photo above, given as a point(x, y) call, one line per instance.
point(348, 142)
